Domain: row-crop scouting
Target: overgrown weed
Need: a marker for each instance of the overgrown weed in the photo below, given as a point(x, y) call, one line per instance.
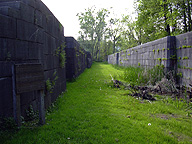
point(143, 76)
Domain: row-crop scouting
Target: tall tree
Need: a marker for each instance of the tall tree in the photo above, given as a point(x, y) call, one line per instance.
point(128, 33)
point(87, 26)
point(159, 18)
point(93, 26)
point(113, 31)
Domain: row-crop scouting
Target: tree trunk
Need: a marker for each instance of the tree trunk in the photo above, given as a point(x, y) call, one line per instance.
point(173, 21)
point(189, 15)
point(114, 44)
point(184, 16)
point(92, 45)
point(167, 26)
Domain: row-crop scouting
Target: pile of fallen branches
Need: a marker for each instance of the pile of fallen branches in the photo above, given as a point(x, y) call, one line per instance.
point(163, 87)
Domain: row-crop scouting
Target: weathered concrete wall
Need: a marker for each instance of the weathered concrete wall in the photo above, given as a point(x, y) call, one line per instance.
point(30, 33)
point(77, 58)
point(172, 52)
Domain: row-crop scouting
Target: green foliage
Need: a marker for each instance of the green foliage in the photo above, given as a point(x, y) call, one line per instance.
point(31, 115)
point(60, 27)
point(180, 74)
point(62, 59)
point(158, 51)
point(103, 34)
point(185, 58)
point(51, 84)
point(60, 52)
point(173, 57)
point(160, 18)
point(7, 124)
point(159, 59)
point(93, 27)
point(128, 35)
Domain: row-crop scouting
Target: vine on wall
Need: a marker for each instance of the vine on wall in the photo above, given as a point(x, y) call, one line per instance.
point(60, 52)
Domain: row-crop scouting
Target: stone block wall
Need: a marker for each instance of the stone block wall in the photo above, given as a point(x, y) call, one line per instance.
point(30, 33)
point(147, 55)
point(174, 52)
point(184, 58)
point(77, 58)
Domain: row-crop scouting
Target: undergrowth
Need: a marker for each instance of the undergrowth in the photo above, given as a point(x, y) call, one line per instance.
point(142, 76)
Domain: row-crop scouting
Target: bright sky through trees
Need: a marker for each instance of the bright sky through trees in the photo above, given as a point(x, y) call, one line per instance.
point(66, 11)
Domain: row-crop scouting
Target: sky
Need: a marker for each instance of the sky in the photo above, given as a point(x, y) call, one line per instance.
point(66, 10)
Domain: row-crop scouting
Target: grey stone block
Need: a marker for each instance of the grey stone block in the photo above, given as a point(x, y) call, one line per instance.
point(38, 18)
point(21, 50)
point(8, 11)
point(185, 63)
point(48, 62)
point(27, 98)
point(184, 39)
point(35, 51)
point(190, 63)
point(26, 12)
point(29, 2)
point(7, 49)
point(71, 43)
point(6, 69)
point(7, 27)
point(56, 62)
point(6, 92)
point(50, 44)
point(42, 7)
point(185, 53)
point(2, 1)
point(50, 24)
point(190, 53)
point(29, 32)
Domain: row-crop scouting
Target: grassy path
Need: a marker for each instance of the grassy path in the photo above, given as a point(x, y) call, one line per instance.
point(92, 112)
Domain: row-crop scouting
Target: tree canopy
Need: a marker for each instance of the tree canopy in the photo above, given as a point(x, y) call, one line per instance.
point(103, 34)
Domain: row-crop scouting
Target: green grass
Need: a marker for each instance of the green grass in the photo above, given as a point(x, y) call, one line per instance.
point(92, 112)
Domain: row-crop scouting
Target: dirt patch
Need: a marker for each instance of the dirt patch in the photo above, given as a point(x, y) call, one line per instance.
point(167, 116)
point(180, 137)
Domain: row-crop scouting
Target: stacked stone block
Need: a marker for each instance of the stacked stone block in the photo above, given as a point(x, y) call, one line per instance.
point(29, 33)
point(173, 52)
point(77, 58)
point(158, 52)
point(184, 58)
